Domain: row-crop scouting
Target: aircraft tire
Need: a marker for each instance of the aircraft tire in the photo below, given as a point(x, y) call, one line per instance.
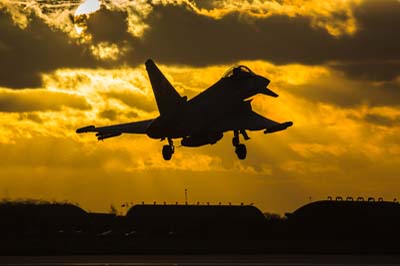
point(167, 152)
point(241, 151)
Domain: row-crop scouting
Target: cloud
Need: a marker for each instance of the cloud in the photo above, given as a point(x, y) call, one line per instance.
point(109, 114)
point(108, 26)
point(382, 120)
point(66, 153)
point(208, 41)
point(370, 71)
point(124, 90)
point(26, 53)
point(315, 149)
point(335, 17)
point(31, 116)
point(181, 34)
point(39, 100)
point(185, 33)
point(133, 99)
point(388, 117)
point(333, 87)
point(272, 38)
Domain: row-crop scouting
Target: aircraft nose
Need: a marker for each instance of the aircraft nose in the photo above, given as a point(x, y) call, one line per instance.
point(264, 82)
point(267, 81)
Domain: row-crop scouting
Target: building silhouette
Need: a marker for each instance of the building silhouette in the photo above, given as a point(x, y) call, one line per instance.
point(197, 221)
point(327, 226)
point(339, 219)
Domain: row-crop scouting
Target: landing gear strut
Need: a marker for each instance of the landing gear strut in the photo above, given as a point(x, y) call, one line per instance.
point(240, 149)
point(168, 150)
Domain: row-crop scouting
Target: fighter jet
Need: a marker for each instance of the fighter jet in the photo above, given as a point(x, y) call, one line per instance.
point(202, 120)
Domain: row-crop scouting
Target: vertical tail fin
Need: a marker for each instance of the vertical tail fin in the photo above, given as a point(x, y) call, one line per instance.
point(167, 98)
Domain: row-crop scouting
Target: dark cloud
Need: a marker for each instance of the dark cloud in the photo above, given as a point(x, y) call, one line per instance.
point(109, 114)
point(109, 26)
point(113, 115)
point(384, 93)
point(178, 35)
point(347, 93)
point(372, 71)
point(39, 100)
point(373, 53)
point(31, 116)
point(382, 120)
point(26, 53)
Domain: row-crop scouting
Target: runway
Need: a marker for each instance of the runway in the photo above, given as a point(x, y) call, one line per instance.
point(206, 260)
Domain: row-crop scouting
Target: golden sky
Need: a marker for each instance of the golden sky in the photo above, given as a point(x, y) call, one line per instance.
point(335, 65)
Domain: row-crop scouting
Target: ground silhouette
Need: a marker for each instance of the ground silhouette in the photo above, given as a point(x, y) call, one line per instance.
point(329, 226)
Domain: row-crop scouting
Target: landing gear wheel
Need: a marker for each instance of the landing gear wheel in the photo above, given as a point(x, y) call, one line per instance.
point(167, 152)
point(241, 151)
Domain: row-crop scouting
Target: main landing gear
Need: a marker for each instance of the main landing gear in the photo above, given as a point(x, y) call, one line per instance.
point(168, 150)
point(240, 149)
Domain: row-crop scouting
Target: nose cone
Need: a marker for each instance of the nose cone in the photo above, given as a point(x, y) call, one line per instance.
point(270, 93)
point(287, 124)
point(261, 81)
point(267, 81)
point(264, 82)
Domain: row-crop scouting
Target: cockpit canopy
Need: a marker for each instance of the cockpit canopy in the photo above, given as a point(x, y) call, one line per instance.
point(238, 71)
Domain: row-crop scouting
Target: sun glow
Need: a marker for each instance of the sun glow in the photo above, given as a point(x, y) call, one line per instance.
point(87, 7)
point(82, 13)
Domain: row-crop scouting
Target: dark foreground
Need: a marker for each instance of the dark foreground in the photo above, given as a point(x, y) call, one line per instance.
point(324, 227)
point(259, 260)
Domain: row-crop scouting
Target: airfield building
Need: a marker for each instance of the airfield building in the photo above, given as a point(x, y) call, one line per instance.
point(200, 221)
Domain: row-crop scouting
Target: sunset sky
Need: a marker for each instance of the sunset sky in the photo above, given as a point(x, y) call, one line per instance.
point(67, 64)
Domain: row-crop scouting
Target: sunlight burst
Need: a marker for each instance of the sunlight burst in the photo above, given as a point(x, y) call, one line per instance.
point(87, 7)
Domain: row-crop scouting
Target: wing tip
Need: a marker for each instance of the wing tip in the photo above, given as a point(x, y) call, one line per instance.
point(85, 129)
point(288, 124)
point(270, 93)
point(279, 127)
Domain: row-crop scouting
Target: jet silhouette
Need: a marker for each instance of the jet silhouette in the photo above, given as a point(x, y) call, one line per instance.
point(202, 120)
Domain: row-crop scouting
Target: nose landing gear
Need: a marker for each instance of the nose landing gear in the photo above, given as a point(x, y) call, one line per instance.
point(168, 150)
point(240, 149)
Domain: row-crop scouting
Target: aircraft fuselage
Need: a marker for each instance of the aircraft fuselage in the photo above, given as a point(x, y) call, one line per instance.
point(197, 115)
point(203, 119)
